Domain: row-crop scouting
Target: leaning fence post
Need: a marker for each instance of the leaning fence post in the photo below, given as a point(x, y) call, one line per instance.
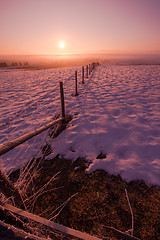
point(62, 100)
point(82, 75)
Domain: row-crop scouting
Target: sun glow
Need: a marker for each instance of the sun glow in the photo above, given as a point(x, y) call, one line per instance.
point(61, 44)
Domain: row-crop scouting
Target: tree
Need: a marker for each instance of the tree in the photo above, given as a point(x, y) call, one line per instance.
point(3, 64)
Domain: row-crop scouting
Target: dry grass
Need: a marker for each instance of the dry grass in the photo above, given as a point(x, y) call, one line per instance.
point(101, 200)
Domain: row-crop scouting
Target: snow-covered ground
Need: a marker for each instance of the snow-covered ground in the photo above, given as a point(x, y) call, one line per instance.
point(117, 113)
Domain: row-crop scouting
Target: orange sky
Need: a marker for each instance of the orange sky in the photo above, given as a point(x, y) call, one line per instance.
point(37, 26)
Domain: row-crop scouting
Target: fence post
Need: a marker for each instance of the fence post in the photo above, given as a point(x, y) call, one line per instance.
point(62, 100)
point(76, 92)
point(93, 65)
point(87, 71)
point(82, 75)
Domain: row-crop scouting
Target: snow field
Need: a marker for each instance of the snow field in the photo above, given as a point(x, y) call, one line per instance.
point(117, 113)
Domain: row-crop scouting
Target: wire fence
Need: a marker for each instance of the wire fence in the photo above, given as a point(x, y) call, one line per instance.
point(42, 107)
point(34, 111)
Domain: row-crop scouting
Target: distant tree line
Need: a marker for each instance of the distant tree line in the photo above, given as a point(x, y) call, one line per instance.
point(3, 64)
point(19, 64)
point(13, 64)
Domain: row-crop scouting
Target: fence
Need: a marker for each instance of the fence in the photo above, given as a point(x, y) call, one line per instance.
point(12, 144)
point(16, 142)
point(8, 189)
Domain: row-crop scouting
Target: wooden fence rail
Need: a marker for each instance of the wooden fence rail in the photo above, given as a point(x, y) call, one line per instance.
point(12, 144)
point(53, 225)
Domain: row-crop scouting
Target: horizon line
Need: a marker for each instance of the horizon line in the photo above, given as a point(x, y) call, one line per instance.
point(94, 52)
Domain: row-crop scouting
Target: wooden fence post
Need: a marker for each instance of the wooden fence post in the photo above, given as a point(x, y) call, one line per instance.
point(76, 92)
point(93, 66)
point(82, 75)
point(89, 69)
point(62, 100)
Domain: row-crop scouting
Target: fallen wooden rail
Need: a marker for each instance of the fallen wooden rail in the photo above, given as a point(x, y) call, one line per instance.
point(53, 225)
point(12, 144)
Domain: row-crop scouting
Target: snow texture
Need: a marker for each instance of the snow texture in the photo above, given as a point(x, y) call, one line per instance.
point(116, 118)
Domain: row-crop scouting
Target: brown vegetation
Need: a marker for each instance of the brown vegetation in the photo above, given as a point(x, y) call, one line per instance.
point(100, 200)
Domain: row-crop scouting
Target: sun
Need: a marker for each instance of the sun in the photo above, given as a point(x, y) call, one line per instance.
point(61, 44)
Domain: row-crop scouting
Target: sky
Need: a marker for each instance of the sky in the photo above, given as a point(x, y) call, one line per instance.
point(84, 26)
